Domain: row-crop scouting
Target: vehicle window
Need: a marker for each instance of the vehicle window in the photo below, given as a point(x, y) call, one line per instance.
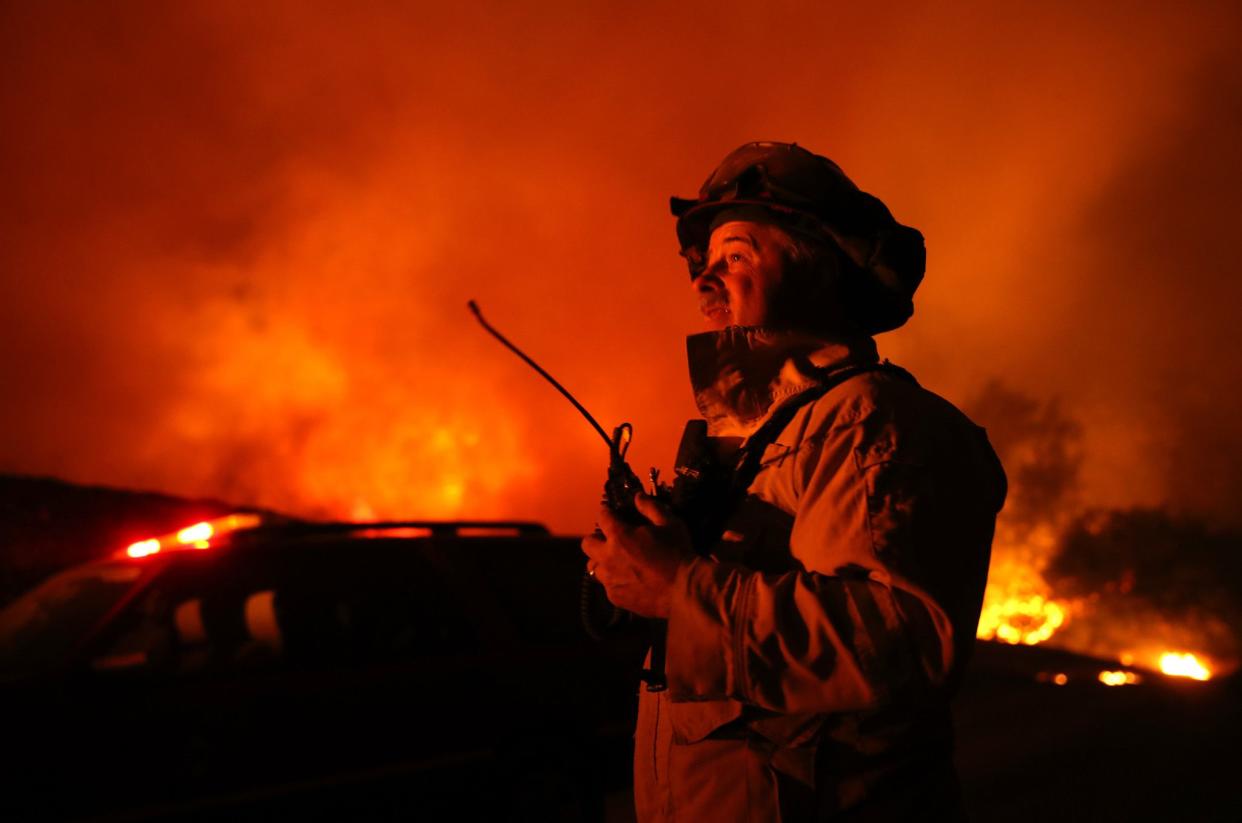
point(204, 613)
point(381, 601)
point(40, 628)
point(320, 605)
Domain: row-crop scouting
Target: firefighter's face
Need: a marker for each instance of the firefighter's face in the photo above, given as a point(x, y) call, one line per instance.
point(740, 284)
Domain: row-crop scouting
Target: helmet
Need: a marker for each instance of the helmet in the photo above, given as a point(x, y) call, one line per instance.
point(810, 194)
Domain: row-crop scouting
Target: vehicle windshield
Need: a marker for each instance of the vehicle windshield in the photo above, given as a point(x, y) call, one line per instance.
point(40, 628)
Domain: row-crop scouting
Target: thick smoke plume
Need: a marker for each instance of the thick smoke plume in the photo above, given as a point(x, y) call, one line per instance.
point(1041, 448)
point(237, 239)
point(1131, 583)
point(1147, 581)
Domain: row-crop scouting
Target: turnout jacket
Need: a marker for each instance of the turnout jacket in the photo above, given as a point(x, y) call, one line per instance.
point(812, 654)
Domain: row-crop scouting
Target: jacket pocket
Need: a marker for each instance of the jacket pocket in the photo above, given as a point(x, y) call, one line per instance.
point(693, 721)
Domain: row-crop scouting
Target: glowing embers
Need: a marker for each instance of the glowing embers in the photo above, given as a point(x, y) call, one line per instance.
point(197, 536)
point(1029, 620)
point(1174, 664)
point(1108, 678)
point(1183, 664)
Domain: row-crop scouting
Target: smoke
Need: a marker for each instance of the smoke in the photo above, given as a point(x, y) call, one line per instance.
point(1040, 446)
point(1168, 342)
point(1134, 582)
point(237, 241)
point(1147, 581)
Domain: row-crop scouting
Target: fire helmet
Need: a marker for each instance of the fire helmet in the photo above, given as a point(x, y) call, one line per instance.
point(810, 195)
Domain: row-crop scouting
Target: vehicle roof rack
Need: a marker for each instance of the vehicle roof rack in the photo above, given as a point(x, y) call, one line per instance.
point(430, 528)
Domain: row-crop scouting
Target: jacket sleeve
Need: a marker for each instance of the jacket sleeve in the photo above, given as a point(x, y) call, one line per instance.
point(880, 537)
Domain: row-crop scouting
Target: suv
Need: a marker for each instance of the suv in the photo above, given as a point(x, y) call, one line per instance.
point(366, 671)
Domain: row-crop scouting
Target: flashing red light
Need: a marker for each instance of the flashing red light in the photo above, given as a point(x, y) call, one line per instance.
point(197, 536)
point(143, 548)
point(198, 533)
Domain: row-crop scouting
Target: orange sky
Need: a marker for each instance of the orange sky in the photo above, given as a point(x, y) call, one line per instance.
point(238, 243)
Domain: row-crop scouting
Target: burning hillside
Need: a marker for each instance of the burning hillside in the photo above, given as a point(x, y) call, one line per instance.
point(1140, 586)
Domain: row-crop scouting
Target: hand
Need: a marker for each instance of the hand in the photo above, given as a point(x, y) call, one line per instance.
point(637, 564)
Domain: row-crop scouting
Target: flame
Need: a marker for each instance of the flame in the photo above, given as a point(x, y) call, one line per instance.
point(1014, 620)
point(1020, 608)
point(319, 427)
point(1183, 664)
point(1018, 605)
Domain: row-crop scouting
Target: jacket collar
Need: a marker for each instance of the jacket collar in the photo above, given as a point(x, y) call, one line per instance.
point(741, 374)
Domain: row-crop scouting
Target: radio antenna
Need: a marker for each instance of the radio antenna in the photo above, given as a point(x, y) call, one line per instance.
point(474, 307)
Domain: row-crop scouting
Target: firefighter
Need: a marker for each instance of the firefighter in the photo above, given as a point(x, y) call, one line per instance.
point(822, 603)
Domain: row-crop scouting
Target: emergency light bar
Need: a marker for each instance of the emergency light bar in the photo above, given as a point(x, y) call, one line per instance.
point(197, 536)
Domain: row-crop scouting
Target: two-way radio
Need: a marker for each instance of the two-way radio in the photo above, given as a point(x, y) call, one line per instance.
point(619, 491)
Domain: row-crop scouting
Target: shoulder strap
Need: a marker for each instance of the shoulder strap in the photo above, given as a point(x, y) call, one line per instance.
point(750, 457)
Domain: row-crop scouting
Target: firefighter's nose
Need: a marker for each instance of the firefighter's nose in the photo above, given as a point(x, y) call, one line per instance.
point(706, 283)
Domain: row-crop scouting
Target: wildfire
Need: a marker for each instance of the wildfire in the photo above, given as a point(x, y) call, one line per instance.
point(1183, 664)
point(1014, 619)
point(1018, 606)
point(319, 426)
point(1033, 618)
